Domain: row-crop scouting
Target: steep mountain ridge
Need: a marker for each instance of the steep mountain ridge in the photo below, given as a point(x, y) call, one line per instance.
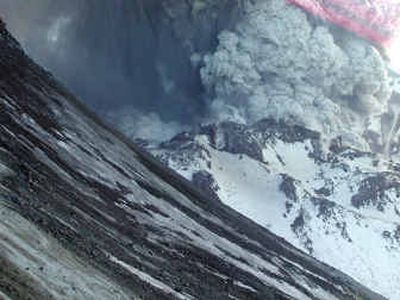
point(340, 205)
point(87, 215)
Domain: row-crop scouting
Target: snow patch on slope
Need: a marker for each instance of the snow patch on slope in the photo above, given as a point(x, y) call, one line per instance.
point(342, 208)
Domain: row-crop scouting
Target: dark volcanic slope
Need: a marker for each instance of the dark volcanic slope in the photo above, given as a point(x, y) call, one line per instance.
point(86, 215)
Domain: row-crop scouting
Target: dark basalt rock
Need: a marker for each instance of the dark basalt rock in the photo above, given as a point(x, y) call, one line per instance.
point(325, 207)
point(234, 138)
point(284, 131)
point(372, 191)
point(206, 183)
point(184, 139)
point(243, 139)
point(250, 139)
point(288, 187)
point(299, 228)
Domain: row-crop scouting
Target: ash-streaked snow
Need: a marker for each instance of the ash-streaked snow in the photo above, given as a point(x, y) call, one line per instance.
point(342, 207)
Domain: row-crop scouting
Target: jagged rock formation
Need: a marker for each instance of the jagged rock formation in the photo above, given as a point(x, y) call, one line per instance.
point(85, 214)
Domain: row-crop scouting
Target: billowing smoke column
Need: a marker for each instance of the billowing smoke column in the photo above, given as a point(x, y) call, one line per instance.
point(281, 63)
point(155, 67)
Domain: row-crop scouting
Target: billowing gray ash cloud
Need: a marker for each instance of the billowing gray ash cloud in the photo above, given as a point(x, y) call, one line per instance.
point(153, 67)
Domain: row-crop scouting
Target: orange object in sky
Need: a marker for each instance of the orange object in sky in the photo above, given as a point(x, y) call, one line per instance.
point(375, 20)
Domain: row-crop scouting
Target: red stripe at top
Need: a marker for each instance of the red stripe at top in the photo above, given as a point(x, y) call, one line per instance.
point(377, 21)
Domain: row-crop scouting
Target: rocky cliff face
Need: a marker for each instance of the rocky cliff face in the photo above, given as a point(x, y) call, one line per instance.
point(85, 214)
